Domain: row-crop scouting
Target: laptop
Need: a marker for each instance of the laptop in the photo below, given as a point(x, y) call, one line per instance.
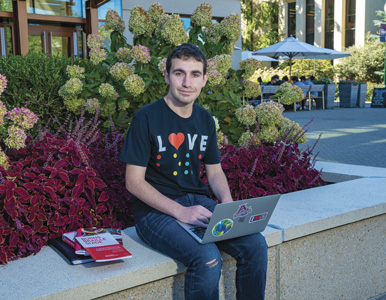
point(235, 219)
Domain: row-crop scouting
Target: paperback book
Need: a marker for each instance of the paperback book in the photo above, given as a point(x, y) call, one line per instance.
point(69, 252)
point(70, 237)
point(103, 247)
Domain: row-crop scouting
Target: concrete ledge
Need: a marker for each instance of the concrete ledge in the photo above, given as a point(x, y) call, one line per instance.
point(298, 215)
point(309, 211)
point(333, 172)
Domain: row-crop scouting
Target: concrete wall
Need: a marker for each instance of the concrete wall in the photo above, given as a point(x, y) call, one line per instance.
point(221, 9)
point(342, 263)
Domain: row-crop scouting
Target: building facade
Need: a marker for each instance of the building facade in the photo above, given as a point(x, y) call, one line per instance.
point(60, 27)
point(50, 26)
point(334, 24)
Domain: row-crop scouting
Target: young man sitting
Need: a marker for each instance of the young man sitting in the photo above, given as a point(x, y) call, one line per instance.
point(165, 145)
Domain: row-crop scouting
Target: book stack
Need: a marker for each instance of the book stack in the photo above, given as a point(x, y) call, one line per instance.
point(91, 244)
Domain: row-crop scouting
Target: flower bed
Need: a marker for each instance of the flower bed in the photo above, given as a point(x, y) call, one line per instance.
point(53, 181)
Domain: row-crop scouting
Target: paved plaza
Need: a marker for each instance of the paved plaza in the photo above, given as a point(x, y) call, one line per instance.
point(349, 135)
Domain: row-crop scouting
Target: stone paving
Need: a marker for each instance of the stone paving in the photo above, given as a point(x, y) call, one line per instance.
point(349, 135)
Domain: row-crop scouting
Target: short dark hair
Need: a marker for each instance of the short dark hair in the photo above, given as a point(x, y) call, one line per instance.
point(285, 78)
point(312, 78)
point(294, 78)
point(275, 77)
point(302, 78)
point(186, 51)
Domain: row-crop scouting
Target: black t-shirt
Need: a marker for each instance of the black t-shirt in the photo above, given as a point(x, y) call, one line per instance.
point(172, 148)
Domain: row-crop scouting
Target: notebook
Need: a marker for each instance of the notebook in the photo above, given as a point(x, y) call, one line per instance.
point(235, 219)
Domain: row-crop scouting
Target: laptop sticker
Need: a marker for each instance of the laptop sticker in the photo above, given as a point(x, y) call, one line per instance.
point(242, 211)
point(222, 227)
point(256, 218)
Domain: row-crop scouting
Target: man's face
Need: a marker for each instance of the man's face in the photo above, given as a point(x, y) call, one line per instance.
point(185, 79)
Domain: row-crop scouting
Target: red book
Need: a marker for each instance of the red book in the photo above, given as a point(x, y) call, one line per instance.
point(103, 247)
point(69, 237)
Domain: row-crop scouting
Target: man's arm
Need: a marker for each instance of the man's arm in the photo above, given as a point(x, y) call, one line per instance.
point(140, 188)
point(218, 182)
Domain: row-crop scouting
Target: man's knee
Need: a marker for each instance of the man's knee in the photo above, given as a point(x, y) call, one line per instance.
point(211, 264)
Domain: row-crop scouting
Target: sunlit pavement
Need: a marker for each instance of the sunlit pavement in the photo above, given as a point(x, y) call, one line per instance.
point(348, 135)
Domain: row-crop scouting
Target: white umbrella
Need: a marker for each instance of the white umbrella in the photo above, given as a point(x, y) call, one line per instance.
point(291, 47)
point(330, 54)
point(248, 54)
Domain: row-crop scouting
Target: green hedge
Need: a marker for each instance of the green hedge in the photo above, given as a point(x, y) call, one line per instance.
point(34, 81)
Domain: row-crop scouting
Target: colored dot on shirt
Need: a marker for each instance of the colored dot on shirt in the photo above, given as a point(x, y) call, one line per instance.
point(157, 164)
point(200, 156)
point(187, 163)
point(158, 156)
point(175, 155)
point(186, 172)
point(175, 173)
point(187, 155)
point(179, 164)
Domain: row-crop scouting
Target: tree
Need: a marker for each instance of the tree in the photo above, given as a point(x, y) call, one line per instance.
point(260, 21)
point(382, 14)
point(365, 62)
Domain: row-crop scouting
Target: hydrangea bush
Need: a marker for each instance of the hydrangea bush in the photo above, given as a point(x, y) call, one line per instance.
point(14, 125)
point(136, 71)
point(289, 94)
point(266, 123)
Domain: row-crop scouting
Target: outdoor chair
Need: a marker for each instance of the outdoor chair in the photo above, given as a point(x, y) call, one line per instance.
point(316, 88)
point(305, 89)
point(268, 93)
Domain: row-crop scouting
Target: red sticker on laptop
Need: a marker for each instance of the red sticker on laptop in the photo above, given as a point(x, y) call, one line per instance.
point(256, 218)
point(242, 211)
point(222, 227)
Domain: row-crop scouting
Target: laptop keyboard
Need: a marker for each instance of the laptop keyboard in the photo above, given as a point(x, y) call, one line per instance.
point(199, 231)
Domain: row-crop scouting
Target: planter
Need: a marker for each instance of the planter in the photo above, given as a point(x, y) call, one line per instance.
point(348, 95)
point(362, 92)
point(329, 95)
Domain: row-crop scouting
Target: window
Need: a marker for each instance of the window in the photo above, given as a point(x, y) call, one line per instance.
point(6, 42)
point(112, 4)
point(187, 22)
point(102, 11)
point(6, 5)
point(350, 23)
point(329, 25)
point(310, 21)
point(292, 19)
point(67, 8)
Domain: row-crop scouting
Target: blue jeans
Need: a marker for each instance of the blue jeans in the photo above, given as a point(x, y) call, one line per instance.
point(203, 262)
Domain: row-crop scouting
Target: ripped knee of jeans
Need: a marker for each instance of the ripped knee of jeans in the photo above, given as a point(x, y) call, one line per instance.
point(212, 263)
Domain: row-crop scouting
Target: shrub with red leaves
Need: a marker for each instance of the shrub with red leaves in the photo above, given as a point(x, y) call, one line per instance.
point(271, 168)
point(56, 185)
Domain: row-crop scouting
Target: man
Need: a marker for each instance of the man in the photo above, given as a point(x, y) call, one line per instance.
point(295, 81)
point(274, 80)
point(166, 143)
point(310, 81)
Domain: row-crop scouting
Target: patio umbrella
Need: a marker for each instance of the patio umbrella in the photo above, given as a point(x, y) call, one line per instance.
point(248, 54)
point(291, 47)
point(330, 54)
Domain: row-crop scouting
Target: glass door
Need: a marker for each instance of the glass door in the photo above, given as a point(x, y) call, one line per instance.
point(56, 41)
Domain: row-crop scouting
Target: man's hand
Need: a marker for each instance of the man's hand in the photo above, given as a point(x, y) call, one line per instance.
point(195, 215)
